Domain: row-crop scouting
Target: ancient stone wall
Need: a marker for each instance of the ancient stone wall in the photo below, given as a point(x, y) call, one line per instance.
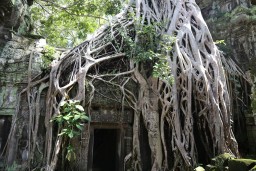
point(215, 8)
point(14, 71)
point(234, 21)
point(106, 112)
point(14, 18)
point(15, 52)
point(14, 61)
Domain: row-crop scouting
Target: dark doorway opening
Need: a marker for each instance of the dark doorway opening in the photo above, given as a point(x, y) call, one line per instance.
point(106, 150)
point(5, 126)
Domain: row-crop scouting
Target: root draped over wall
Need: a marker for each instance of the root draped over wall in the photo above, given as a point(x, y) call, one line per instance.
point(192, 112)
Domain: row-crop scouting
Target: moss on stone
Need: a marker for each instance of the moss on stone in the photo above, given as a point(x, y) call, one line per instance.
point(211, 168)
point(48, 56)
point(241, 164)
point(253, 169)
point(227, 162)
point(199, 168)
point(221, 161)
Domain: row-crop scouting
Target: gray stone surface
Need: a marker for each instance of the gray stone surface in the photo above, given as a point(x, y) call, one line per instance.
point(14, 61)
point(215, 8)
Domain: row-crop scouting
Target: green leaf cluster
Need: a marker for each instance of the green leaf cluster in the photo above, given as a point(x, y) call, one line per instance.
point(70, 153)
point(150, 47)
point(48, 56)
point(220, 42)
point(146, 45)
point(223, 46)
point(66, 23)
point(12, 167)
point(71, 119)
point(161, 68)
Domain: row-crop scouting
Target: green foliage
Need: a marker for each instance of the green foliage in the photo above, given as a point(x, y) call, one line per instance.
point(226, 161)
point(48, 56)
point(223, 46)
point(161, 68)
point(241, 164)
point(146, 45)
point(71, 119)
point(66, 23)
point(150, 47)
point(13, 167)
point(221, 161)
point(70, 153)
point(220, 42)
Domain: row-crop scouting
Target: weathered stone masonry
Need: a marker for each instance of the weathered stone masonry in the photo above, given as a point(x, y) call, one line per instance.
point(235, 22)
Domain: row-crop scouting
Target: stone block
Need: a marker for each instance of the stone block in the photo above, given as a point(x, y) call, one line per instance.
point(7, 111)
point(199, 168)
point(241, 164)
point(210, 168)
point(8, 96)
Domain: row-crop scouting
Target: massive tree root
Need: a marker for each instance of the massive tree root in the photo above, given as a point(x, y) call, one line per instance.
point(185, 119)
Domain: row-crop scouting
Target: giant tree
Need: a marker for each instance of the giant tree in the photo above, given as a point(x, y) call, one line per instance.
point(165, 47)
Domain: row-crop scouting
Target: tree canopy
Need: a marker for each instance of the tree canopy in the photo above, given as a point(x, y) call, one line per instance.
point(66, 23)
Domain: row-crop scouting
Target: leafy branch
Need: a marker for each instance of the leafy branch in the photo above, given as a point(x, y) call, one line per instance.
point(150, 47)
point(67, 23)
point(71, 119)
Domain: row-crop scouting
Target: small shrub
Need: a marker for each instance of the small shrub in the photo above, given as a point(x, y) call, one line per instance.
point(48, 56)
point(71, 119)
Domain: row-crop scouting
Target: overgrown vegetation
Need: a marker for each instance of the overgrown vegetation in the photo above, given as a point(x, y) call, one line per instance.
point(185, 109)
point(70, 120)
point(48, 56)
point(66, 23)
point(13, 167)
point(227, 162)
point(154, 51)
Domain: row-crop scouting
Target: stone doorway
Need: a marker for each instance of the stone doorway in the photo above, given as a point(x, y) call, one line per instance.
point(105, 149)
point(5, 126)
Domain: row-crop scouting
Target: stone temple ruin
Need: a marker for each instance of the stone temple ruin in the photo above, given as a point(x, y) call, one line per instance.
point(111, 125)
